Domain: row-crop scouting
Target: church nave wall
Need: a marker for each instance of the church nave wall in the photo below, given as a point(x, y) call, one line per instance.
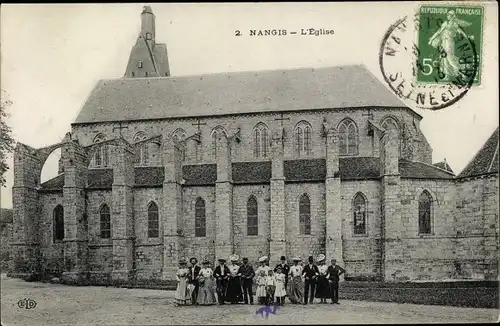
point(361, 228)
point(199, 246)
point(298, 243)
point(248, 245)
point(51, 249)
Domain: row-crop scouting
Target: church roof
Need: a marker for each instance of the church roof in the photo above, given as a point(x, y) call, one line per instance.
point(128, 99)
point(444, 166)
point(304, 170)
point(485, 161)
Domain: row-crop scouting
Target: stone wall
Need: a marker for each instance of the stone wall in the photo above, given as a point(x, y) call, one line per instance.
point(362, 253)
point(52, 252)
point(200, 247)
point(368, 145)
point(251, 246)
point(148, 251)
point(305, 245)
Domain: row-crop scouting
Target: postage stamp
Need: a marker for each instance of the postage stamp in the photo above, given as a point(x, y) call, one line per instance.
point(450, 70)
point(442, 29)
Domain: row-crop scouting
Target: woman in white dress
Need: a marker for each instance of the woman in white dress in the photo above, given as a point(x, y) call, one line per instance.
point(279, 281)
point(182, 295)
point(295, 285)
point(206, 294)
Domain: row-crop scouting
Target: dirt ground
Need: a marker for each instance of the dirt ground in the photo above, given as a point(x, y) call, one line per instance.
point(92, 305)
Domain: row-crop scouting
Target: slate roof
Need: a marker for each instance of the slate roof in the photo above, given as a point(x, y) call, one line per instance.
point(99, 178)
point(351, 168)
point(235, 93)
point(444, 166)
point(359, 168)
point(56, 183)
point(485, 161)
point(419, 170)
point(304, 170)
point(200, 174)
point(251, 172)
point(149, 176)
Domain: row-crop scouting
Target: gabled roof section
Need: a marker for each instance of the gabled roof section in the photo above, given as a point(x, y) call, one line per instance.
point(444, 166)
point(485, 161)
point(235, 93)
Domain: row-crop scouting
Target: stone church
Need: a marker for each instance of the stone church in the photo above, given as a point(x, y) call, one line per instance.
point(286, 162)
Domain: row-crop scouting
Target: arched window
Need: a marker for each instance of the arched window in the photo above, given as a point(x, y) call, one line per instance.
point(58, 223)
point(303, 133)
point(359, 210)
point(216, 132)
point(252, 216)
point(424, 213)
point(142, 150)
point(200, 221)
point(105, 221)
point(305, 215)
point(391, 123)
point(179, 136)
point(348, 138)
point(101, 157)
point(261, 140)
point(153, 221)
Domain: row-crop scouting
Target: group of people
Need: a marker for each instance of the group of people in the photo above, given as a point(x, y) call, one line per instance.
point(233, 283)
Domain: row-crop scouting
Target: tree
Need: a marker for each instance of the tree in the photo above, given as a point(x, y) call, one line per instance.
point(7, 143)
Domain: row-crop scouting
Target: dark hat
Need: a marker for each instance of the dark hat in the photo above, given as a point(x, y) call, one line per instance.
point(182, 261)
point(222, 260)
point(190, 259)
point(205, 262)
point(283, 258)
point(245, 259)
point(311, 258)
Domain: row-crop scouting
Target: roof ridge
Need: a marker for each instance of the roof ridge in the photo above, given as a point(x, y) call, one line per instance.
point(239, 72)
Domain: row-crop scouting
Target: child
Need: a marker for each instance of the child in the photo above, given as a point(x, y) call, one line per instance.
point(182, 295)
point(261, 287)
point(280, 291)
point(270, 286)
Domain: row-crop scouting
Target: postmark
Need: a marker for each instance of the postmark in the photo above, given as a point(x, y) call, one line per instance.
point(441, 28)
point(401, 61)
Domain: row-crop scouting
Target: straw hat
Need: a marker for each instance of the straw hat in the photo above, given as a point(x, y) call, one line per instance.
point(182, 261)
point(262, 259)
point(296, 258)
point(321, 257)
point(234, 258)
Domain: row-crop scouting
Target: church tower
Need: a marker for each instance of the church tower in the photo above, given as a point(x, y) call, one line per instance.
point(148, 58)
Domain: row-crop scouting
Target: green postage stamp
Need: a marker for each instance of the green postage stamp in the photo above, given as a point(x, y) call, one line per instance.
point(444, 34)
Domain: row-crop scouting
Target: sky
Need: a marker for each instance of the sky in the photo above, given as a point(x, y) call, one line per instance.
point(53, 55)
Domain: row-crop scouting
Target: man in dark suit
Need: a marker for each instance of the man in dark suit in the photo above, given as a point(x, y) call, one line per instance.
point(285, 269)
point(334, 272)
point(310, 273)
point(221, 274)
point(247, 274)
point(194, 270)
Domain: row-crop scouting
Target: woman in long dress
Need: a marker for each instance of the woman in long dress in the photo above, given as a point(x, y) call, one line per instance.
point(295, 285)
point(279, 281)
point(206, 293)
point(234, 293)
point(322, 285)
point(182, 295)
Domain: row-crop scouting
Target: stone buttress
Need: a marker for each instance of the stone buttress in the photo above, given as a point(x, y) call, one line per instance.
point(333, 243)
point(173, 240)
point(122, 215)
point(392, 252)
point(277, 244)
point(224, 242)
